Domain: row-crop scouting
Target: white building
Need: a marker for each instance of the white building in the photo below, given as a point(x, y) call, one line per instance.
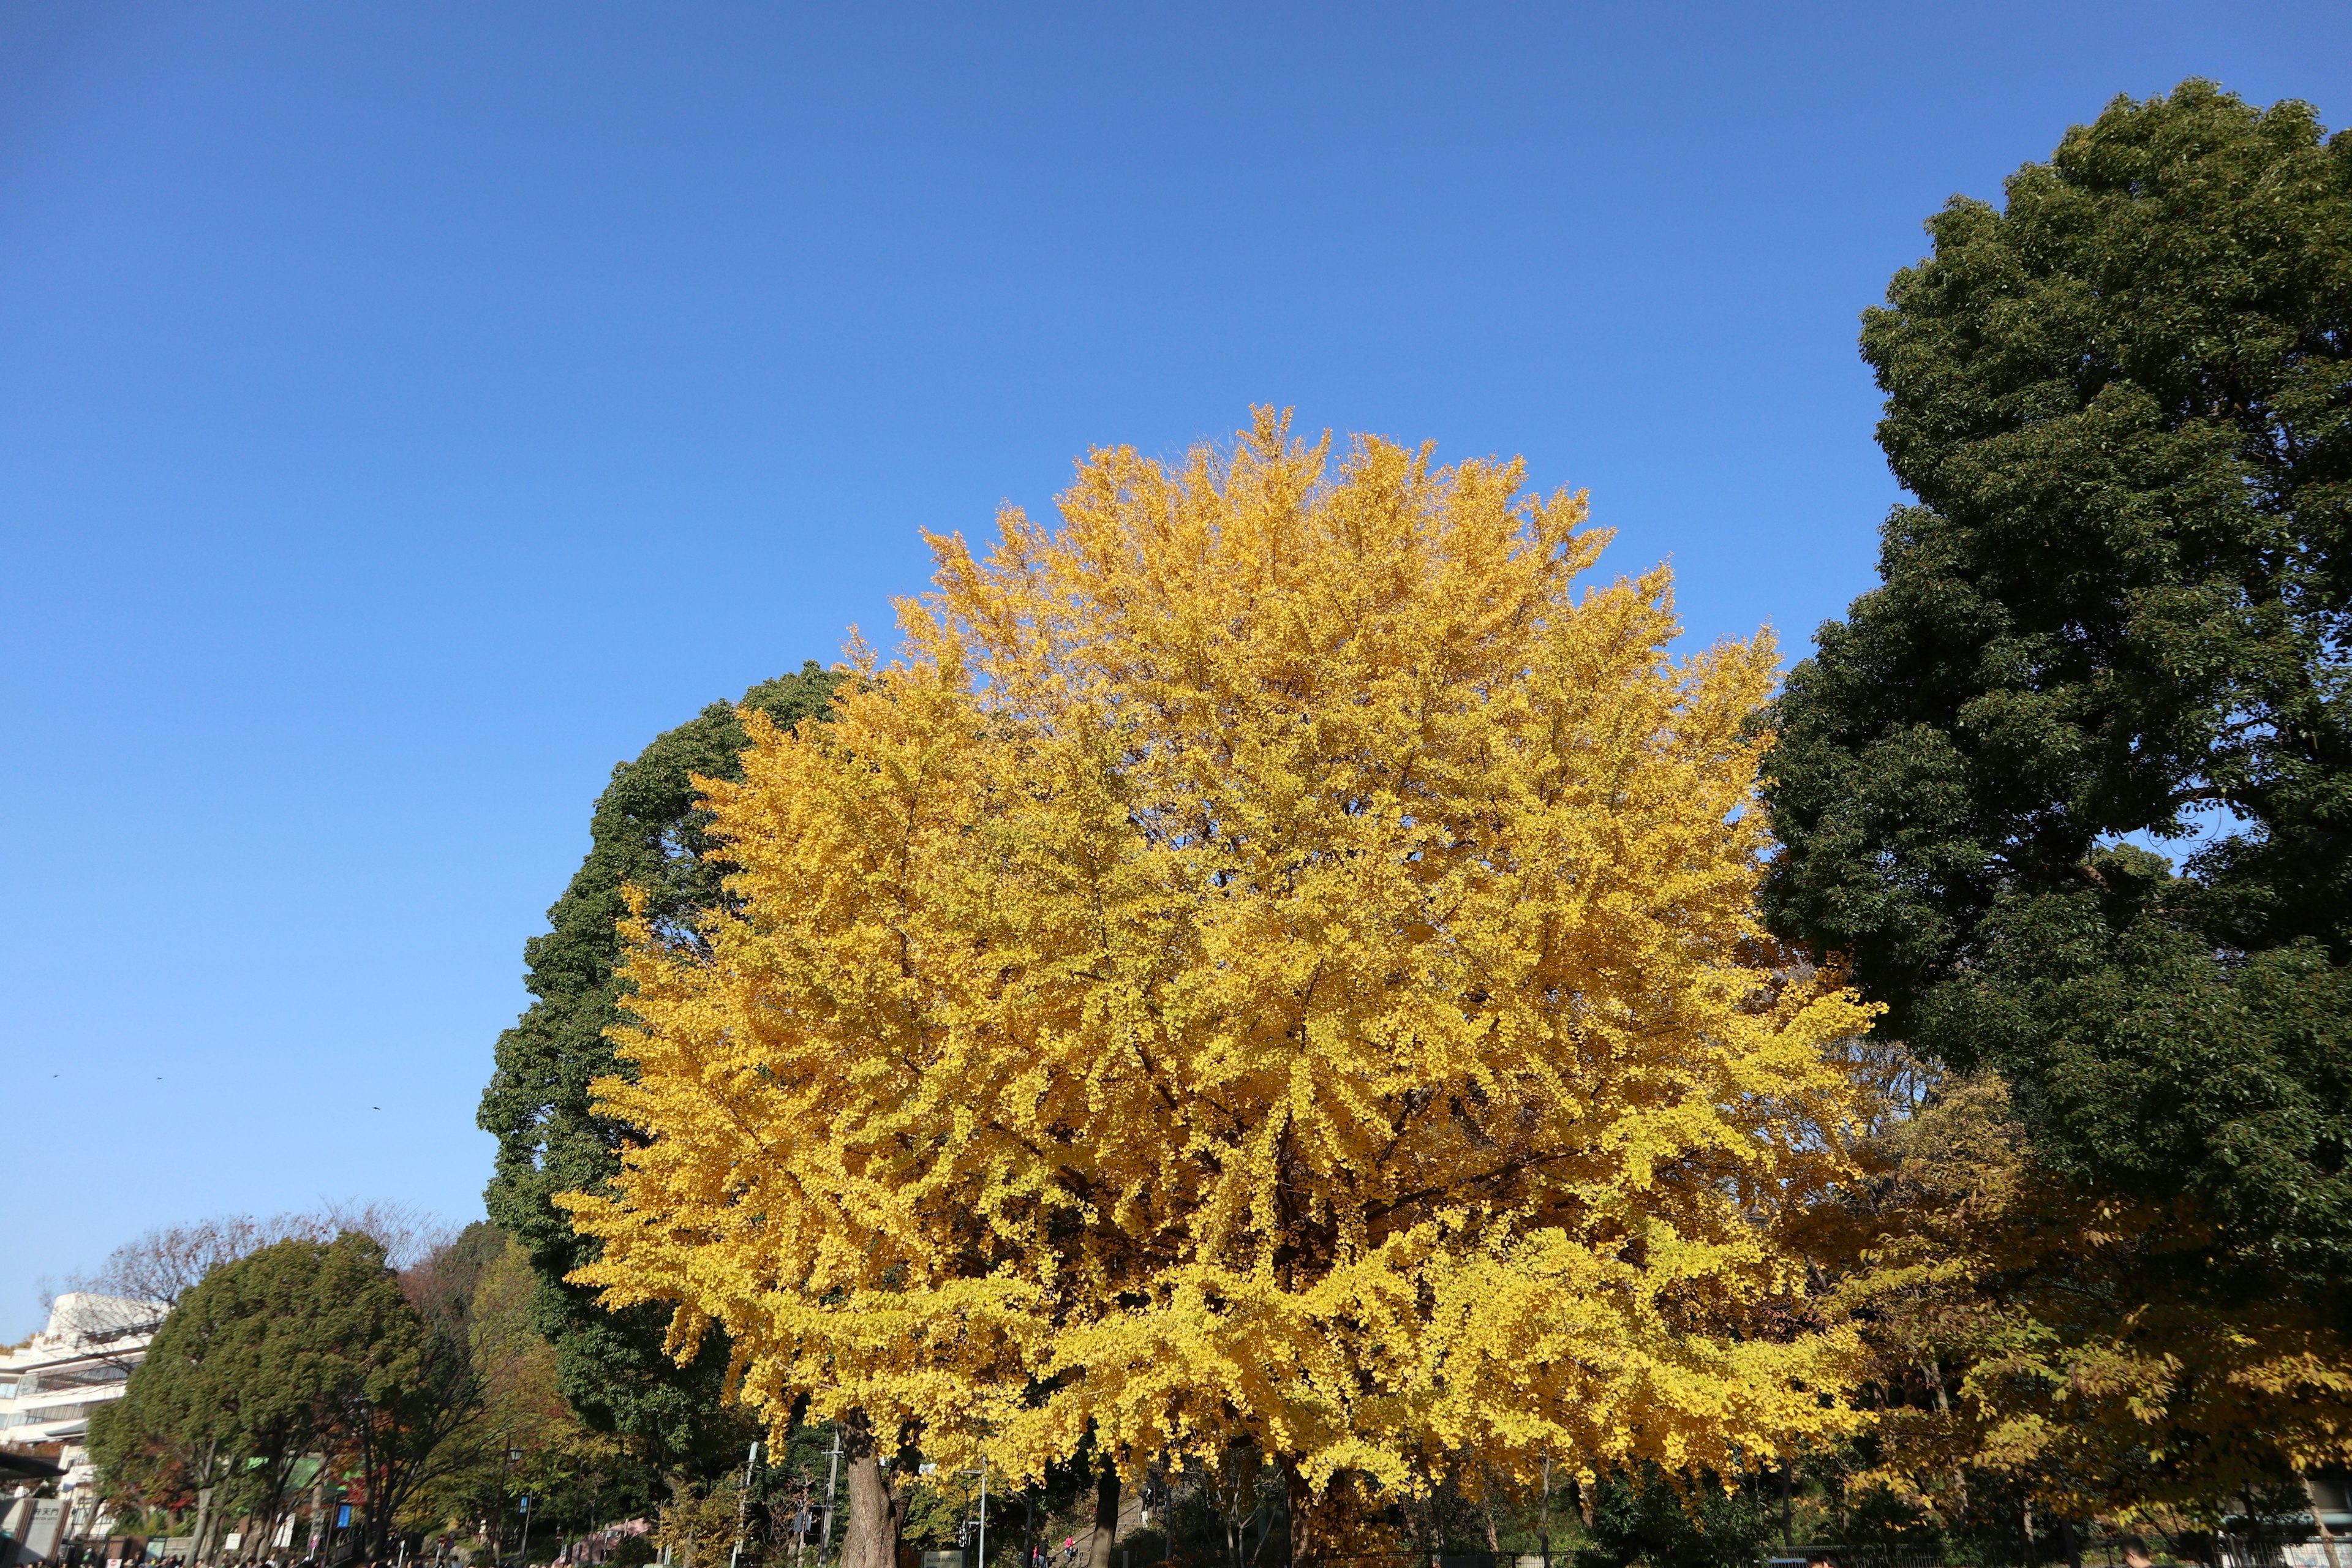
point(50, 1384)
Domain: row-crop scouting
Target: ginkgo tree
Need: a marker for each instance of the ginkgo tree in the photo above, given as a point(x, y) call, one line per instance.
point(1275, 965)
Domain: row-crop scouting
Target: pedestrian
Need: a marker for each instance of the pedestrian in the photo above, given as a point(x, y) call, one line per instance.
point(2135, 1552)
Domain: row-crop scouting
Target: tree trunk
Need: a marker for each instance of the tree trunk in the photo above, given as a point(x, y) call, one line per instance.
point(2326, 1536)
point(872, 1539)
point(1296, 1504)
point(316, 1546)
point(203, 1509)
point(1106, 1531)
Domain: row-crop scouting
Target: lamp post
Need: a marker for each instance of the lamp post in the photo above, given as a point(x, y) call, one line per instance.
point(499, 1535)
point(981, 1554)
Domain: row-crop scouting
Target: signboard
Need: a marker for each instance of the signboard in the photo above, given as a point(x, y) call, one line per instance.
point(41, 1529)
point(343, 1516)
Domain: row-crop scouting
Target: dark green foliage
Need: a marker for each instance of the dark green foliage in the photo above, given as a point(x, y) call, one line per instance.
point(645, 833)
point(2117, 617)
point(1878, 1519)
point(1646, 1519)
point(270, 1358)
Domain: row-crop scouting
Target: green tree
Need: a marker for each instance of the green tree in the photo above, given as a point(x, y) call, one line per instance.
point(411, 1416)
point(576, 1476)
point(1673, 1521)
point(646, 833)
point(301, 1347)
point(2116, 619)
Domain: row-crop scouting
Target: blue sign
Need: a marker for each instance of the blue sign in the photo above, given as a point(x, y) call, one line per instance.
point(526, 1504)
point(343, 1516)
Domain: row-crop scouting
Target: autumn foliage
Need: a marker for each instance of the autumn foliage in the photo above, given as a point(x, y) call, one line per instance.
point(1275, 964)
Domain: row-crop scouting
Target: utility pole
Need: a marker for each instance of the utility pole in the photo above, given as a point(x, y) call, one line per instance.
point(743, 1502)
point(832, 1474)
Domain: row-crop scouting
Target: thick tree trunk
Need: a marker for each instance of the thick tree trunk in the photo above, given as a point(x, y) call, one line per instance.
point(872, 1539)
point(1106, 1531)
point(2326, 1536)
point(205, 1507)
point(1297, 1508)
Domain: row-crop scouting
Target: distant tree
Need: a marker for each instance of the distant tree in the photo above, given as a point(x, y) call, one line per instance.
point(646, 832)
point(2030, 1341)
point(1645, 1515)
point(303, 1347)
point(2118, 617)
point(169, 1261)
point(575, 1475)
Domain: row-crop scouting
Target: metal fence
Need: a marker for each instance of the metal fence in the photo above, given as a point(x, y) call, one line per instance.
point(1862, 1555)
point(2233, 1550)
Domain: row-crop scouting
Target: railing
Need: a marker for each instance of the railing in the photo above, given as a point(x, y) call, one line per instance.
point(1861, 1554)
point(2232, 1551)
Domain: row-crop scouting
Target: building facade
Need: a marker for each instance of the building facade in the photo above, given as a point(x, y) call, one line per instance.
point(49, 1385)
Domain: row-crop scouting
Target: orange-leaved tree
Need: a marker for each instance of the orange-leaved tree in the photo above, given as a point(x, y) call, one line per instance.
point(1276, 965)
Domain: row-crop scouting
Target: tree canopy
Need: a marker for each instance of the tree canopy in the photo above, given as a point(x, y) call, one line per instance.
point(649, 833)
point(2034, 1342)
point(1277, 965)
point(2113, 623)
point(292, 1350)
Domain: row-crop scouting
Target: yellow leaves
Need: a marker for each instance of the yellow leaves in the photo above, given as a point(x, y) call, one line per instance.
point(2076, 1345)
point(1277, 962)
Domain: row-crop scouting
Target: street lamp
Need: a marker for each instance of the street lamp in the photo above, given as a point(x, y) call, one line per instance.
point(498, 1536)
point(982, 1474)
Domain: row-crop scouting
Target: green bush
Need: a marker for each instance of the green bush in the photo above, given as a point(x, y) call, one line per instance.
point(1648, 1519)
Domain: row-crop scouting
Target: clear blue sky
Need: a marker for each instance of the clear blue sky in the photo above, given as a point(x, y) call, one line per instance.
point(406, 411)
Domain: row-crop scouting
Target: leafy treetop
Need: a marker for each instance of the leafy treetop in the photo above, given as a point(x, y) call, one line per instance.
point(1277, 969)
point(2116, 619)
point(647, 832)
point(271, 1358)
